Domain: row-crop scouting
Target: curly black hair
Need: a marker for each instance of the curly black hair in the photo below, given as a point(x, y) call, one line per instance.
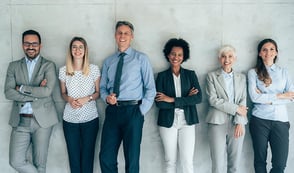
point(174, 42)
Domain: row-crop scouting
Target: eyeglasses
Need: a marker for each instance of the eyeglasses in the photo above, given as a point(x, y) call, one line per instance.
point(77, 47)
point(33, 44)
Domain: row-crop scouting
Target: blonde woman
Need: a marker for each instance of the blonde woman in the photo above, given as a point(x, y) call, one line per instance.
point(79, 82)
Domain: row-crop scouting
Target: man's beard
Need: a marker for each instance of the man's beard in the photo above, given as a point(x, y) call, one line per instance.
point(31, 57)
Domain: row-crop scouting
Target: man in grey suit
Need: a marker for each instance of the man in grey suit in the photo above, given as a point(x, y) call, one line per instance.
point(29, 84)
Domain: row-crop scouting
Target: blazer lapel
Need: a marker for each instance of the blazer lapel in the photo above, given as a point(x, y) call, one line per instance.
point(236, 85)
point(172, 84)
point(221, 81)
point(184, 81)
point(24, 70)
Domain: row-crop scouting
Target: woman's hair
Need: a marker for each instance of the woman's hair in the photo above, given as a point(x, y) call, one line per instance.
point(174, 42)
point(69, 58)
point(225, 49)
point(260, 68)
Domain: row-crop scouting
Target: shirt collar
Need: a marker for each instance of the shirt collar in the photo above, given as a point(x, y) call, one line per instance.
point(227, 75)
point(272, 67)
point(34, 60)
point(128, 51)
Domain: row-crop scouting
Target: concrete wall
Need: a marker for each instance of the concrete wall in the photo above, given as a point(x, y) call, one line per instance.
point(205, 24)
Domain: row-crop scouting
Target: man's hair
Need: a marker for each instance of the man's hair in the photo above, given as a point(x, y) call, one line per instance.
point(127, 23)
point(31, 32)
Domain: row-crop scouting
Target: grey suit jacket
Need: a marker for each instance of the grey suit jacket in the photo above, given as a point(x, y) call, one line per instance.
point(40, 97)
point(219, 105)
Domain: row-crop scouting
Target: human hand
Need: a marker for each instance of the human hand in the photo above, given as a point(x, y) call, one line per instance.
point(286, 95)
point(239, 131)
point(162, 97)
point(83, 100)
point(74, 103)
point(193, 91)
point(43, 83)
point(111, 99)
point(258, 91)
point(242, 110)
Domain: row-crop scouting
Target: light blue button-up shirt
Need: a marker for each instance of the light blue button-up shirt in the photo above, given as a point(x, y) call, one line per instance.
point(137, 80)
point(229, 81)
point(27, 108)
point(266, 104)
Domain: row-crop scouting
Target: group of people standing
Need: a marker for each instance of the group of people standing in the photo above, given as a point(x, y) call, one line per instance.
point(126, 84)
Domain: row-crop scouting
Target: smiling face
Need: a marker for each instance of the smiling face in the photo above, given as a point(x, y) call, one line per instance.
point(31, 46)
point(123, 37)
point(176, 56)
point(268, 53)
point(227, 59)
point(77, 50)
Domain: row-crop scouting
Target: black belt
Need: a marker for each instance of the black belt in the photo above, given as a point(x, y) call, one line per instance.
point(27, 115)
point(128, 103)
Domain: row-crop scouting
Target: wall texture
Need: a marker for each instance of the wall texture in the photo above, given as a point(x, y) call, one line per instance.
point(205, 24)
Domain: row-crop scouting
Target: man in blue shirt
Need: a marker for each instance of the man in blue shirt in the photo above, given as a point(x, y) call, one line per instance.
point(124, 115)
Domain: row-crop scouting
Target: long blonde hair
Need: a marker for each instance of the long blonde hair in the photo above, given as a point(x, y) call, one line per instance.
point(69, 58)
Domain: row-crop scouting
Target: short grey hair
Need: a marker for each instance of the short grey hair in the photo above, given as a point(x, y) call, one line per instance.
point(226, 48)
point(127, 23)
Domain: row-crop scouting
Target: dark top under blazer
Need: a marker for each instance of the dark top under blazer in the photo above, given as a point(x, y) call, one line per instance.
point(165, 84)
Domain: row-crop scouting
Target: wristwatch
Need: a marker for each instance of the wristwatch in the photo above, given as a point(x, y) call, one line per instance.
point(91, 98)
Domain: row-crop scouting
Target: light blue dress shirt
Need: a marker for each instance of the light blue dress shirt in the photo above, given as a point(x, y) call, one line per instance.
point(27, 108)
point(137, 80)
point(266, 104)
point(229, 81)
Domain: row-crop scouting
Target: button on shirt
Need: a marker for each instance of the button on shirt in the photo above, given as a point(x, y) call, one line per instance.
point(267, 105)
point(27, 107)
point(178, 90)
point(229, 81)
point(137, 80)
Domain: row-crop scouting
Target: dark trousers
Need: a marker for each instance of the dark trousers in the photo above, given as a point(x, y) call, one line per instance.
point(275, 133)
point(122, 124)
point(81, 140)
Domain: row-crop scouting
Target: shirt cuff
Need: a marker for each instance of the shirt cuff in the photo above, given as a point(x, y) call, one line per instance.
point(20, 89)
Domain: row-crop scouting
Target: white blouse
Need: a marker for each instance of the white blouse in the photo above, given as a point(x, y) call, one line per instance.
point(78, 86)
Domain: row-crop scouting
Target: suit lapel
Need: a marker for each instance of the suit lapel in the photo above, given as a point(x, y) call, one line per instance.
point(24, 70)
point(236, 85)
point(36, 69)
point(184, 81)
point(221, 81)
point(172, 85)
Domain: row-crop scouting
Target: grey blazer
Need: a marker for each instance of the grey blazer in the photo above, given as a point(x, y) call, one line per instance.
point(219, 105)
point(40, 97)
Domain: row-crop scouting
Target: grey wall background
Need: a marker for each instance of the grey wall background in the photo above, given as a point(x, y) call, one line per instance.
point(205, 24)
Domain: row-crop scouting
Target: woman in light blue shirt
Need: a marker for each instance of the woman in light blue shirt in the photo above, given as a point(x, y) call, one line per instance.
point(270, 89)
